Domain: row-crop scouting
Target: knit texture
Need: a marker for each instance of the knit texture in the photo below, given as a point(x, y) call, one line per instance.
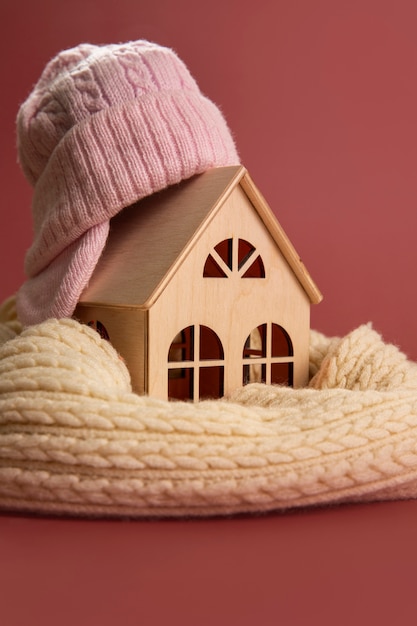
point(75, 440)
point(104, 127)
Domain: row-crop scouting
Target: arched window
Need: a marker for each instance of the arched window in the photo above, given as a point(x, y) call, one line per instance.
point(234, 255)
point(195, 365)
point(100, 328)
point(268, 356)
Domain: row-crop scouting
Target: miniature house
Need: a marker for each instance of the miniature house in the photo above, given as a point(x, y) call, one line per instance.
point(200, 291)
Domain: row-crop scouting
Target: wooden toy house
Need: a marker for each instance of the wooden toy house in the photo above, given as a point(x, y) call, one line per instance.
point(200, 291)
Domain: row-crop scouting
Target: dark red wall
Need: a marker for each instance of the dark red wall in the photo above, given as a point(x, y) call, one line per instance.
point(322, 99)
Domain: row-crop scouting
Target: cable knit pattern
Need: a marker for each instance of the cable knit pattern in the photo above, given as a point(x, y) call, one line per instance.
point(104, 127)
point(75, 440)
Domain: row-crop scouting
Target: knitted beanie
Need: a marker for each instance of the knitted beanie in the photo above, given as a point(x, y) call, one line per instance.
point(104, 127)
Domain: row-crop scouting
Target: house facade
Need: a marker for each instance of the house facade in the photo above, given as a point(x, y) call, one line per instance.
point(200, 292)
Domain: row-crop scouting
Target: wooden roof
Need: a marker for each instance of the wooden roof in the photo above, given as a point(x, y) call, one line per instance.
point(154, 234)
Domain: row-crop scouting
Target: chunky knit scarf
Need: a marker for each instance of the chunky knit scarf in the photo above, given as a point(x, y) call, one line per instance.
point(75, 440)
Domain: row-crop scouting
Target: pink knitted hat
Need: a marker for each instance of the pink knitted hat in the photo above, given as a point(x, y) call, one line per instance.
point(104, 127)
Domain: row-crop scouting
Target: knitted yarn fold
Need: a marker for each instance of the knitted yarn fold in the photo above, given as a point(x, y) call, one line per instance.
point(104, 127)
point(75, 440)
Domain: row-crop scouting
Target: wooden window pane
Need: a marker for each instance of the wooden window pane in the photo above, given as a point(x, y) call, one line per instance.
point(256, 270)
point(182, 347)
point(254, 373)
point(211, 382)
point(255, 344)
point(181, 383)
point(245, 251)
point(100, 328)
point(212, 269)
point(224, 250)
point(210, 345)
point(282, 374)
point(281, 342)
point(250, 266)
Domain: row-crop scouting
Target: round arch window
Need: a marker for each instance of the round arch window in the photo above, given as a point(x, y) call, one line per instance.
point(195, 365)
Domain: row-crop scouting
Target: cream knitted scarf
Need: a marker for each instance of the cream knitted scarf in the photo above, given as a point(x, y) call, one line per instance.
point(75, 440)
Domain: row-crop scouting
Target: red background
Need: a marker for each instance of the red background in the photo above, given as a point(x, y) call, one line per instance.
point(322, 98)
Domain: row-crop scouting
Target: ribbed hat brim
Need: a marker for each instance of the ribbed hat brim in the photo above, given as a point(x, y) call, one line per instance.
point(53, 292)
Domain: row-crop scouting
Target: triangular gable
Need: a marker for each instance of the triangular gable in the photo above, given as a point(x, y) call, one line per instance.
point(149, 240)
point(277, 233)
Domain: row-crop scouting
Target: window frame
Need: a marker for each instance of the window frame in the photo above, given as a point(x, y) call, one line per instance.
point(234, 256)
point(266, 359)
point(192, 366)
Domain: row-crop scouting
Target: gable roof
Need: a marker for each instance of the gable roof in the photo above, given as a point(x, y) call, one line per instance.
point(170, 222)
